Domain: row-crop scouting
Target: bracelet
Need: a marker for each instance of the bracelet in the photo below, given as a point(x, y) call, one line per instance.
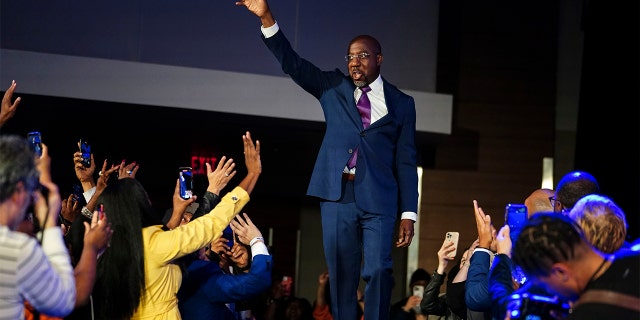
point(256, 239)
point(85, 212)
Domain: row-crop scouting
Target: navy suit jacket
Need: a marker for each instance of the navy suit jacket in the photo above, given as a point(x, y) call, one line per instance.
point(386, 173)
point(206, 289)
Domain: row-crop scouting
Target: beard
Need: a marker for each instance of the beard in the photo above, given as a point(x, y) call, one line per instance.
point(361, 83)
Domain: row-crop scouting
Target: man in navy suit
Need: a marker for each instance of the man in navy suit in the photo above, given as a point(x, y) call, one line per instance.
point(359, 205)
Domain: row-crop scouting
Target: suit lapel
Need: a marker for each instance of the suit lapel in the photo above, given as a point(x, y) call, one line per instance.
point(352, 110)
point(389, 99)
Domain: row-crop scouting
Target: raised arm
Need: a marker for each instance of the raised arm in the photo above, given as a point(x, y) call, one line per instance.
point(96, 239)
point(84, 174)
point(8, 108)
point(252, 161)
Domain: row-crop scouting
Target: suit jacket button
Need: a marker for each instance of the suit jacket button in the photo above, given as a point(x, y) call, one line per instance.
point(350, 151)
point(362, 134)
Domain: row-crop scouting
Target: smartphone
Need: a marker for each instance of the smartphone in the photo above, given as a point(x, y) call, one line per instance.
point(186, 182)
point(452, 236)
point(35, 138)
point(287, 286)
point(418, 291)
point(515, 217)
point(79, 195)
point(227, 233)
point(85, 149)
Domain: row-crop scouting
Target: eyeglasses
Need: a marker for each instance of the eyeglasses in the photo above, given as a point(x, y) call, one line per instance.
point(553, 201)
point(360, 56)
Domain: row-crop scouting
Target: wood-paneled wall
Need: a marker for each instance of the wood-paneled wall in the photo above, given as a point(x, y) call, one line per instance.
point(501, 70)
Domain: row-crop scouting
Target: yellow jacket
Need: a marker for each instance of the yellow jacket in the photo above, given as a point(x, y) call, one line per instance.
point(161, 248)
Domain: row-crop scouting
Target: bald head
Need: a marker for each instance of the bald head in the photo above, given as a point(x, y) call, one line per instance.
point(538, 201)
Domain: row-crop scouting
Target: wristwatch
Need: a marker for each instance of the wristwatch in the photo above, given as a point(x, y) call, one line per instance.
point(85, 212)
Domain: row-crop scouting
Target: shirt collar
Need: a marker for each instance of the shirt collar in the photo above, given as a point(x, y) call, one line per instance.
point(376, 85)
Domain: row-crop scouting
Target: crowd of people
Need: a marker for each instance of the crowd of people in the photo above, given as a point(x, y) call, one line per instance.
point(105, 252)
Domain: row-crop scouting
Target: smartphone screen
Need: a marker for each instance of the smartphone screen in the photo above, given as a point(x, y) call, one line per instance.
point(515, 217)
point(85, 149)
point(186, 182)
point(35, 138)
point(453, 236)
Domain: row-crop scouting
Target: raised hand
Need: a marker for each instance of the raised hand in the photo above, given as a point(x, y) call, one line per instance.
point(179, 206)
point(252, 154)
point(8, 108)
point(252, 161)
point(70, 208)
point(258, 7)
point(127, 170)
point(98, 233)
point(218, 179)
point(47, 209)
point(503, 241)
point(244, 229)
point(84, 174)
point(483, 224)
point(239, 255)
point(444, 255)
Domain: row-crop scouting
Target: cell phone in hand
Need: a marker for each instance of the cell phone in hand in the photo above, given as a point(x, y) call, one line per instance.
point(35, 139)
point(418, 291)
point(85, 149)
point(515, 216)
point(78, 194)
point(452, 236)
point(227, 233)
point(186, 182)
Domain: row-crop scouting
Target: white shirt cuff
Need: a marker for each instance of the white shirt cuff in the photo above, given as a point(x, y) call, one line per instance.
point(89, 194)
point(259, 248)
point(409, 215)
point(483, 249)
point(270, 31)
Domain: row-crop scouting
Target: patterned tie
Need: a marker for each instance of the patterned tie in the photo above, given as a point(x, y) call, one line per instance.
point(364, 108)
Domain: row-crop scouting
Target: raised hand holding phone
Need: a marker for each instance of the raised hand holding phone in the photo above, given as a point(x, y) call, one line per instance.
point(452, 237)
point(98, 233)
point(85, 149)
point(515, 216)
point(186, 182)
point(35, 138)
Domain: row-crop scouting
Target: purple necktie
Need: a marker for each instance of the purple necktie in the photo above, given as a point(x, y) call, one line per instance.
point(364, 108)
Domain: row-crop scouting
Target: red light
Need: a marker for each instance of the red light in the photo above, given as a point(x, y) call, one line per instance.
point(198, 163)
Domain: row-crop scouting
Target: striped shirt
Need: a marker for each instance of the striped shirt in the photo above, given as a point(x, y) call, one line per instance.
point(42, 275)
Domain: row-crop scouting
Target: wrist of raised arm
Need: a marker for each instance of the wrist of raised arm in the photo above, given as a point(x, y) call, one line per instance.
point(87, 183)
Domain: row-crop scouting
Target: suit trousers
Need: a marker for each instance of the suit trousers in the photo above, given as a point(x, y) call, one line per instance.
point(352, 236)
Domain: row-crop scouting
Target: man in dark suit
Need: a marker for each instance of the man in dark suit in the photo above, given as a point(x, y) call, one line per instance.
point(359, 203)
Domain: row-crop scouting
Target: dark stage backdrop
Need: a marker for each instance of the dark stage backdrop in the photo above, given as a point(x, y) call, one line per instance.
point(216, 34)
